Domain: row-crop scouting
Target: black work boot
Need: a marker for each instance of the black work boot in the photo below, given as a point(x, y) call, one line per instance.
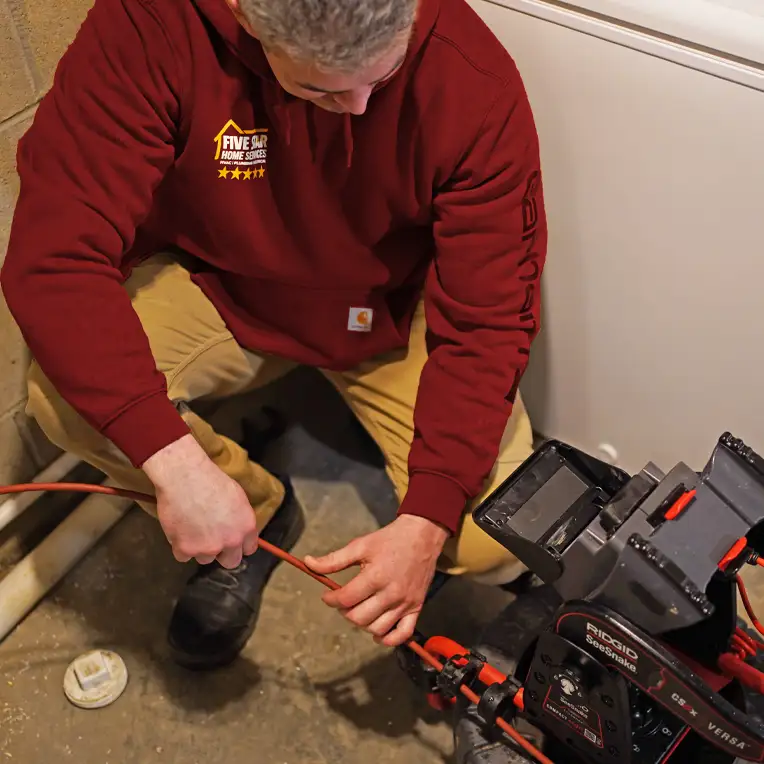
point(217, 612)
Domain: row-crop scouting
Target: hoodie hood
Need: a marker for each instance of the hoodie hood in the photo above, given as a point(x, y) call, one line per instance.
point(249, 52)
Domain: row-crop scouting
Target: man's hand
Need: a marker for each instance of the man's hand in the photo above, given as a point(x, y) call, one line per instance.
point(397, 566)
point(203, 513)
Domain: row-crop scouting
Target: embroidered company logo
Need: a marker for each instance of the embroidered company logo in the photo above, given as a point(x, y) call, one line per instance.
point(242, 154)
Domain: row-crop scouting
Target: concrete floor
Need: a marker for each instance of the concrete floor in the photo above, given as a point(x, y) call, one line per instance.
point(308, 689)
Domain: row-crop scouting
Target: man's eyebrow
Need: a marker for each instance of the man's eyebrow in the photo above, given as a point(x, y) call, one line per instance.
point(307, 86)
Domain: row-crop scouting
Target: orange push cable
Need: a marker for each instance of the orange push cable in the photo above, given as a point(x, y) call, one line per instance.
point(747, 604)
point(424, 654)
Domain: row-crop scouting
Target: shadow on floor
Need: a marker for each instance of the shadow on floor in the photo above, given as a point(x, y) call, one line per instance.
point(325, 442)
point(371, 698)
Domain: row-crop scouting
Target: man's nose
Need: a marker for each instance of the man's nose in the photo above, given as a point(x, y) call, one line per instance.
point(355, 100)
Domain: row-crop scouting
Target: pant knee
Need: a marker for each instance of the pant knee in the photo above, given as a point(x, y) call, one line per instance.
point(40, 408)
point(52, 413)
point(473, 552)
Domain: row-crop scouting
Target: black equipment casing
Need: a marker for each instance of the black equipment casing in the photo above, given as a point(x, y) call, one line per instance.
point(636, 560)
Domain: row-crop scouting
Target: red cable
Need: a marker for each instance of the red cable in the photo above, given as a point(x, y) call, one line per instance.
point(473, 698)
point(747, 605)
point(744, 645)
point(424, 654)
point(741, 648)
point(756, 644)
point(745, 636)
point(732, 665)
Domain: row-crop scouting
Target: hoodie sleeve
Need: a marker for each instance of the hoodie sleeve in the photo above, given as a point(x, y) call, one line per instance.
point(101, 141)
point(482, 309)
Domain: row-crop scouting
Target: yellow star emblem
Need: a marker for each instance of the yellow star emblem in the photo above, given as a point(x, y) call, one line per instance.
point(223, 173)
point(262, 171)
point(247, 174)
point(236, 173)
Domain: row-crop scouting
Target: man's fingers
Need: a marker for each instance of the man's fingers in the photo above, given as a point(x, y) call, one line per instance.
point(230, 558)
point(179, 556)
point(402, 632)
point(384, 624)
point(372, 610)
point(352, 554)
point(359, 589)
point(250, 543)
point(204, 559)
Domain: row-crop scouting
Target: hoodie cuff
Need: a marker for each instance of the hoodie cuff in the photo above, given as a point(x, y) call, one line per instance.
point(146, 427)
point(436, 498)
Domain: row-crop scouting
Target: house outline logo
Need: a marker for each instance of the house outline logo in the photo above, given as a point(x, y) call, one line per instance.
point(241, 154)
point(231, 124)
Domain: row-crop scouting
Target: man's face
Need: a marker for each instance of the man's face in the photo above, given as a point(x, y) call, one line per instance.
point(340, 93)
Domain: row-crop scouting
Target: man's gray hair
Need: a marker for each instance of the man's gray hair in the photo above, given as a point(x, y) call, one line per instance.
point(335, 35)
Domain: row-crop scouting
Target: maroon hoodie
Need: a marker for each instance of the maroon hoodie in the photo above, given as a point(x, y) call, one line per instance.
point(166, 128)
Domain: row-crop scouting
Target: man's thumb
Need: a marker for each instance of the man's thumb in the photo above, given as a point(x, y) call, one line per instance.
point(334, 561)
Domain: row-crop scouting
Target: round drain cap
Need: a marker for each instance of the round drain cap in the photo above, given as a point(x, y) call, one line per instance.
point(95, 679)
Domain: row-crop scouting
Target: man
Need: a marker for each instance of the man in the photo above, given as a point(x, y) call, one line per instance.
point(216, 190)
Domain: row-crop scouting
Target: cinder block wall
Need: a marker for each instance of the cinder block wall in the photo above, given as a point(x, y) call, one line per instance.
point(33, 36)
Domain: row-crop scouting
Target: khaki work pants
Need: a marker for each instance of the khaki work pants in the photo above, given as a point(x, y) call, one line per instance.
point(200, 359)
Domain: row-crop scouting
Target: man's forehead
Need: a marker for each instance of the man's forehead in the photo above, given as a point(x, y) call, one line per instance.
point(376, 78)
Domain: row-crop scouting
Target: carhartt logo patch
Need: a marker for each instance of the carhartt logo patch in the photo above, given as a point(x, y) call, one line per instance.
point(360, 319)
